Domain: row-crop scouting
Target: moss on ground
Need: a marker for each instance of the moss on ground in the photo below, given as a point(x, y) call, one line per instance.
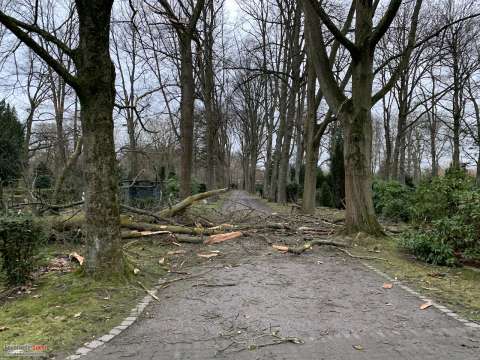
point(63, 310)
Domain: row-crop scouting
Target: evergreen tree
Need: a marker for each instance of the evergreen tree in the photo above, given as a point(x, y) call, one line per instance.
point(11, 143)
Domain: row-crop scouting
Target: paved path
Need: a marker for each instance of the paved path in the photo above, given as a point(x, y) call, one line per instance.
point(335, 306)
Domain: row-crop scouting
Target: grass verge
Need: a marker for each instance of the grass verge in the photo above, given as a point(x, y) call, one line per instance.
point(63, 310)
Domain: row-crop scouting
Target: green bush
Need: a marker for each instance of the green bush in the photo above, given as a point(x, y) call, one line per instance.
point(440, 196)
point(19, 238)
point(426, 246)
point(325, 195)
point(392, 200)
point(172, 187)
point(447, 212)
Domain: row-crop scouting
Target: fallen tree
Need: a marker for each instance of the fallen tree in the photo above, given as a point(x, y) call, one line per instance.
point(307, 246)
point(177, 229)
point(185, 203)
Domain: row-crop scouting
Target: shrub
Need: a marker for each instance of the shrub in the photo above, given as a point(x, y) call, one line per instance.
point(325, 195)
point(19, 238)
point(293, 190)
point(44, 177)
point(172, 187)
point(440, 196)
point(196, 187)
point(259, 189)
point(392, 200)
point(426, 246)
point(447, 211)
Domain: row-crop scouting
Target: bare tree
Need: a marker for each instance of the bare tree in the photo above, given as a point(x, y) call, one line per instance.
point(94, 83)
point(355, 112)
point(185, 28)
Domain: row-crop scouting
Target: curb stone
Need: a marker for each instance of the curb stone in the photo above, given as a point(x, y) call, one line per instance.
point(117, 330)
point(441, 308)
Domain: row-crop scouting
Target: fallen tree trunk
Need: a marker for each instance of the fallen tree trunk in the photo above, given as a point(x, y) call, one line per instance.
point(176, 229)
point(182, 205)
point(300, 249)
point(134, 234)
point(189, 239)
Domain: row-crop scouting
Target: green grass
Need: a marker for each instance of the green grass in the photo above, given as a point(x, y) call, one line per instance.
point(65, 310)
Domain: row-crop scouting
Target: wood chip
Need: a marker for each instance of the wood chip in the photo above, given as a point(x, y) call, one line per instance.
point(426, 305)
point(214, 239)
point(177, 252)
point(76, 256)
point(281, 248)
point(207, 256)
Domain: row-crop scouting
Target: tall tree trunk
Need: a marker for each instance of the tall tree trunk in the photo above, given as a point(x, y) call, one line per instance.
point(299, 137)
point(357, 122)
point(28, 135)
point(311, 147)
point(132, 145)
point(96, 78)
point(283, 96)
point(267, 181)
point(209, 87)
point(186, 113)
point(457, 111)
point(272, 196)
point(296, 55)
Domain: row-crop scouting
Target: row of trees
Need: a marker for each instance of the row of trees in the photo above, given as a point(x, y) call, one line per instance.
point(280, 91)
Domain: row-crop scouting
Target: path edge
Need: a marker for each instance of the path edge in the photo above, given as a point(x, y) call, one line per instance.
point(117, 330)
point(441, 308)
